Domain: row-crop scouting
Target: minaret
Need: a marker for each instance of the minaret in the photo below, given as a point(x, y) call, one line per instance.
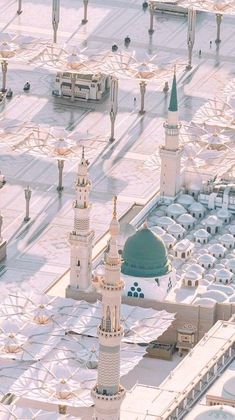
point(108, 394)
point(171, 152)
point(81, 238)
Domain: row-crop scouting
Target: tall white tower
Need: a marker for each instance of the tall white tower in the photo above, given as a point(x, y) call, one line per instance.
point(171, 152)
point(108, 394)
point(81, 238)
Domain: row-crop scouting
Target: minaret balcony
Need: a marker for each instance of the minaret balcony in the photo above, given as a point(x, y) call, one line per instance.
point(82, 237)
point(109, 398)
point(111, 287)
point(110, 334)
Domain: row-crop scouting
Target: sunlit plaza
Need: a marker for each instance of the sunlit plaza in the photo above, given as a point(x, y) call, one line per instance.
point(88, 84)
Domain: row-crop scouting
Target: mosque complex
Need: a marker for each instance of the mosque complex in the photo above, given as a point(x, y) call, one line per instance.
point(117, 278)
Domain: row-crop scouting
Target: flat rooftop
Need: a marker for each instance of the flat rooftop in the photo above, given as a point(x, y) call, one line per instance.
point(159, 401)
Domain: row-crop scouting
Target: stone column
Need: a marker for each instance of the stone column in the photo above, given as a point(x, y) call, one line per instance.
point(19, 10)
point(85, 7)
point(55, 18)
point(151, 13)
point(60, 168)
point(28, 194)
point(112, 118)
point(191, 36)
point(142, 96)
point(73, 80)
point(113, 105)
point(219, 18)
point(4, 75)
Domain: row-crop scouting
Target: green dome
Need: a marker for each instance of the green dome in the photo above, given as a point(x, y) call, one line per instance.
point(145, 255)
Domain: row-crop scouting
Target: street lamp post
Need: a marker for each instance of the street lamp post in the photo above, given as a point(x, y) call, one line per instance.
point(55, 18)
point(113, 105)
point(73, 81)
point(85, 6)
point(191, 35)
point(219, 18)
point(151, 14)
point(60, 168)
point(19, 10)
point(142, 96)
point(4, 64)
point(27, 194)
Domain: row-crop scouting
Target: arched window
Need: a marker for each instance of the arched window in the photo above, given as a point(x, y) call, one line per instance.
point(129, 293)
point(141, 295)
point(135, 294)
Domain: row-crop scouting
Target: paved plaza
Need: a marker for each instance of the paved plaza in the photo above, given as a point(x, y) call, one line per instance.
point(38, 251)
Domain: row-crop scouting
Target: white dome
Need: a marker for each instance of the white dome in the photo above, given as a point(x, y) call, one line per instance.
point(225, 289)
point(192, 275)
point(227, 237)
point(165, 221)
point(232, 229)
point(183, 245)
point(219, 266)
point(223, 274)
point(217, 295)
point(206, 258)
point(186, 218)
point(197, 268)
point(168, 239)
point(231, 264)
point(212, 221)
point(176, 228)
point(185, 200)
point(217, 412)
point(201, 233)
point(223, 214)
point(158, 230)
point(205, 302)
point(175, 209)
point(216, 249)
point(229, 389)
point(209, 277)
point(197, 207)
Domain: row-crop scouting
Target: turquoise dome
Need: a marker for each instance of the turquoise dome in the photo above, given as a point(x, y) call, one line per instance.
point(145, 255)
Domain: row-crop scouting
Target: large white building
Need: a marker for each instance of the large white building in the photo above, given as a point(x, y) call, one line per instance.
point(80, 86)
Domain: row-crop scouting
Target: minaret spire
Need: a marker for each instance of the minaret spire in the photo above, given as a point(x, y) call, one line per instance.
point(173, 106)
point(108, 394)
point(81, 238)
point(171, 152)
